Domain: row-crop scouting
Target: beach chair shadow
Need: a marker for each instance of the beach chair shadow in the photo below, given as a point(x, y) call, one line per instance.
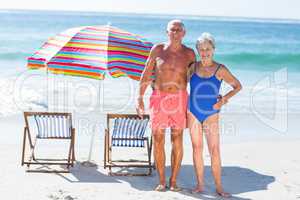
point(127, 132)
point(82, 174)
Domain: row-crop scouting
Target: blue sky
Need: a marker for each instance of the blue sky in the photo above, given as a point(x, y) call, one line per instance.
point(286, 9)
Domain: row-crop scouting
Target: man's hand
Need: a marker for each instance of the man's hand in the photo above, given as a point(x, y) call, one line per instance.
point(140, 109)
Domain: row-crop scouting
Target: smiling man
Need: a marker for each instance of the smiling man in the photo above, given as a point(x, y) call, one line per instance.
point(168, 103)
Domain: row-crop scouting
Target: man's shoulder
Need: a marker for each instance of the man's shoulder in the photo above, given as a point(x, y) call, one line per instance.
point(189, 51)
point(155, 50)
point(159, 46)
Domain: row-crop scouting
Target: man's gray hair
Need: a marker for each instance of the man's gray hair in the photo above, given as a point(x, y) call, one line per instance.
point(206, 37)
point(175, 21)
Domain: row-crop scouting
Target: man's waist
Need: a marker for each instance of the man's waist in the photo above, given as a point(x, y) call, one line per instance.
point(167, 92)
point(169, 88)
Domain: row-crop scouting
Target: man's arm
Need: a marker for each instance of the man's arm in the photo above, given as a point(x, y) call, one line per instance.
point(192, 61)
point(146, 80)
point(190, 71)
point(146, 75)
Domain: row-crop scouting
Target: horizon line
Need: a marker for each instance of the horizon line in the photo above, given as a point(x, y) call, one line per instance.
point(157, 13)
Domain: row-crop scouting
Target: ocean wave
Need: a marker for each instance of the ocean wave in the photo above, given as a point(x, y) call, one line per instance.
point(14, 55)
point(12, 103)
point(74, 94)
point(262, 60)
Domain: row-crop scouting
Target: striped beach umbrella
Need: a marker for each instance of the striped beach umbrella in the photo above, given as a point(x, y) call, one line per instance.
point(91, 51)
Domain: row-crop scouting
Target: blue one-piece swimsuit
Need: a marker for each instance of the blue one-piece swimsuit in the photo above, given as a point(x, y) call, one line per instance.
point(204, 92)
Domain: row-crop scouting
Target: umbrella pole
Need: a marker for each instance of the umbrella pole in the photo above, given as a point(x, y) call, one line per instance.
point(89, 162)
point(48, 89)
point(91, 146)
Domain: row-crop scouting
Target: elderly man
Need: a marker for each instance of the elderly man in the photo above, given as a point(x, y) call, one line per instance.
point(168, 103)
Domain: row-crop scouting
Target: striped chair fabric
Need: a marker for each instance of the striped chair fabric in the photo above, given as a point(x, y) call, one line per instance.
point(131, 129)
point(53, 126)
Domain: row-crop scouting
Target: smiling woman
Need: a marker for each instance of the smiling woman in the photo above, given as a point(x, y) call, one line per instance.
point(204, 107)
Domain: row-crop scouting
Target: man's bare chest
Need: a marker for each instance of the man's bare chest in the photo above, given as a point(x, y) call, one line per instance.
point(172, 62)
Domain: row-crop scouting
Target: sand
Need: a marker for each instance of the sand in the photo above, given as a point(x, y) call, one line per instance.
point(262, 169)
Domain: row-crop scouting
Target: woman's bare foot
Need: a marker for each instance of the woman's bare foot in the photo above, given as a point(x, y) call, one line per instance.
point(223, 194)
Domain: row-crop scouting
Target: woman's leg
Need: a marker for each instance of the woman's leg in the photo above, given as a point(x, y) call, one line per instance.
point(211, 130)
point(195, 128)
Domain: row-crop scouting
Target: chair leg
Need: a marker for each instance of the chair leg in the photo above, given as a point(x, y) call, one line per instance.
point(24, 144)
point(109, 158)
point(73, 149)
point(71, 156)
point(149, 155)
point(105, 148)
point(32, 145)
point(70, 153)
point(109, 151)
point(32, 148)
point(151, 146)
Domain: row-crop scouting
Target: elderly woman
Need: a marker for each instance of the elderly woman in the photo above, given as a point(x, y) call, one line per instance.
point(205, 103)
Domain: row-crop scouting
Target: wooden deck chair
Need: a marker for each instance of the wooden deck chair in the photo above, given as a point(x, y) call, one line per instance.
point(42, 126)
point(128, 131)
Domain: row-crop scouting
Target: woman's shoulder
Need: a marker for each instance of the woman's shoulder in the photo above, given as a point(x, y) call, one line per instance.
point(222, 70)
point(221, 66)
point(218, 64)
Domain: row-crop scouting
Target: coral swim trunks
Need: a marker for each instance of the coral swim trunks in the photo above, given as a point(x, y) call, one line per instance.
point(168, 109)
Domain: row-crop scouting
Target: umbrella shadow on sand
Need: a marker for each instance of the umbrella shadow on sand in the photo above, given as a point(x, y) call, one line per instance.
point(82, 174)
point(236, 180)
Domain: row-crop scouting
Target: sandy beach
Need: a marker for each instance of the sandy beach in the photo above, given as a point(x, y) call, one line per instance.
point(259, 127)
point(251, 170)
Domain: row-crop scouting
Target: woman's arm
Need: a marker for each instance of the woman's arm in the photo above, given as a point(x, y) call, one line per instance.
point(230, 79)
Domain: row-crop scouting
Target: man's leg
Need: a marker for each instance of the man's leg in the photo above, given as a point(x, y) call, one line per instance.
point(176, 156)
point(159, 154)
point(177, 121)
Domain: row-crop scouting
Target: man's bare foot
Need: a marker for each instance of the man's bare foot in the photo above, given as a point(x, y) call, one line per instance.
point(198, 189)
point(223, 194)
point(160, 188)
point(174, 187)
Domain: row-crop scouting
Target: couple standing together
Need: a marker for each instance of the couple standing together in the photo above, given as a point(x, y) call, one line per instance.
point(175, 65)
